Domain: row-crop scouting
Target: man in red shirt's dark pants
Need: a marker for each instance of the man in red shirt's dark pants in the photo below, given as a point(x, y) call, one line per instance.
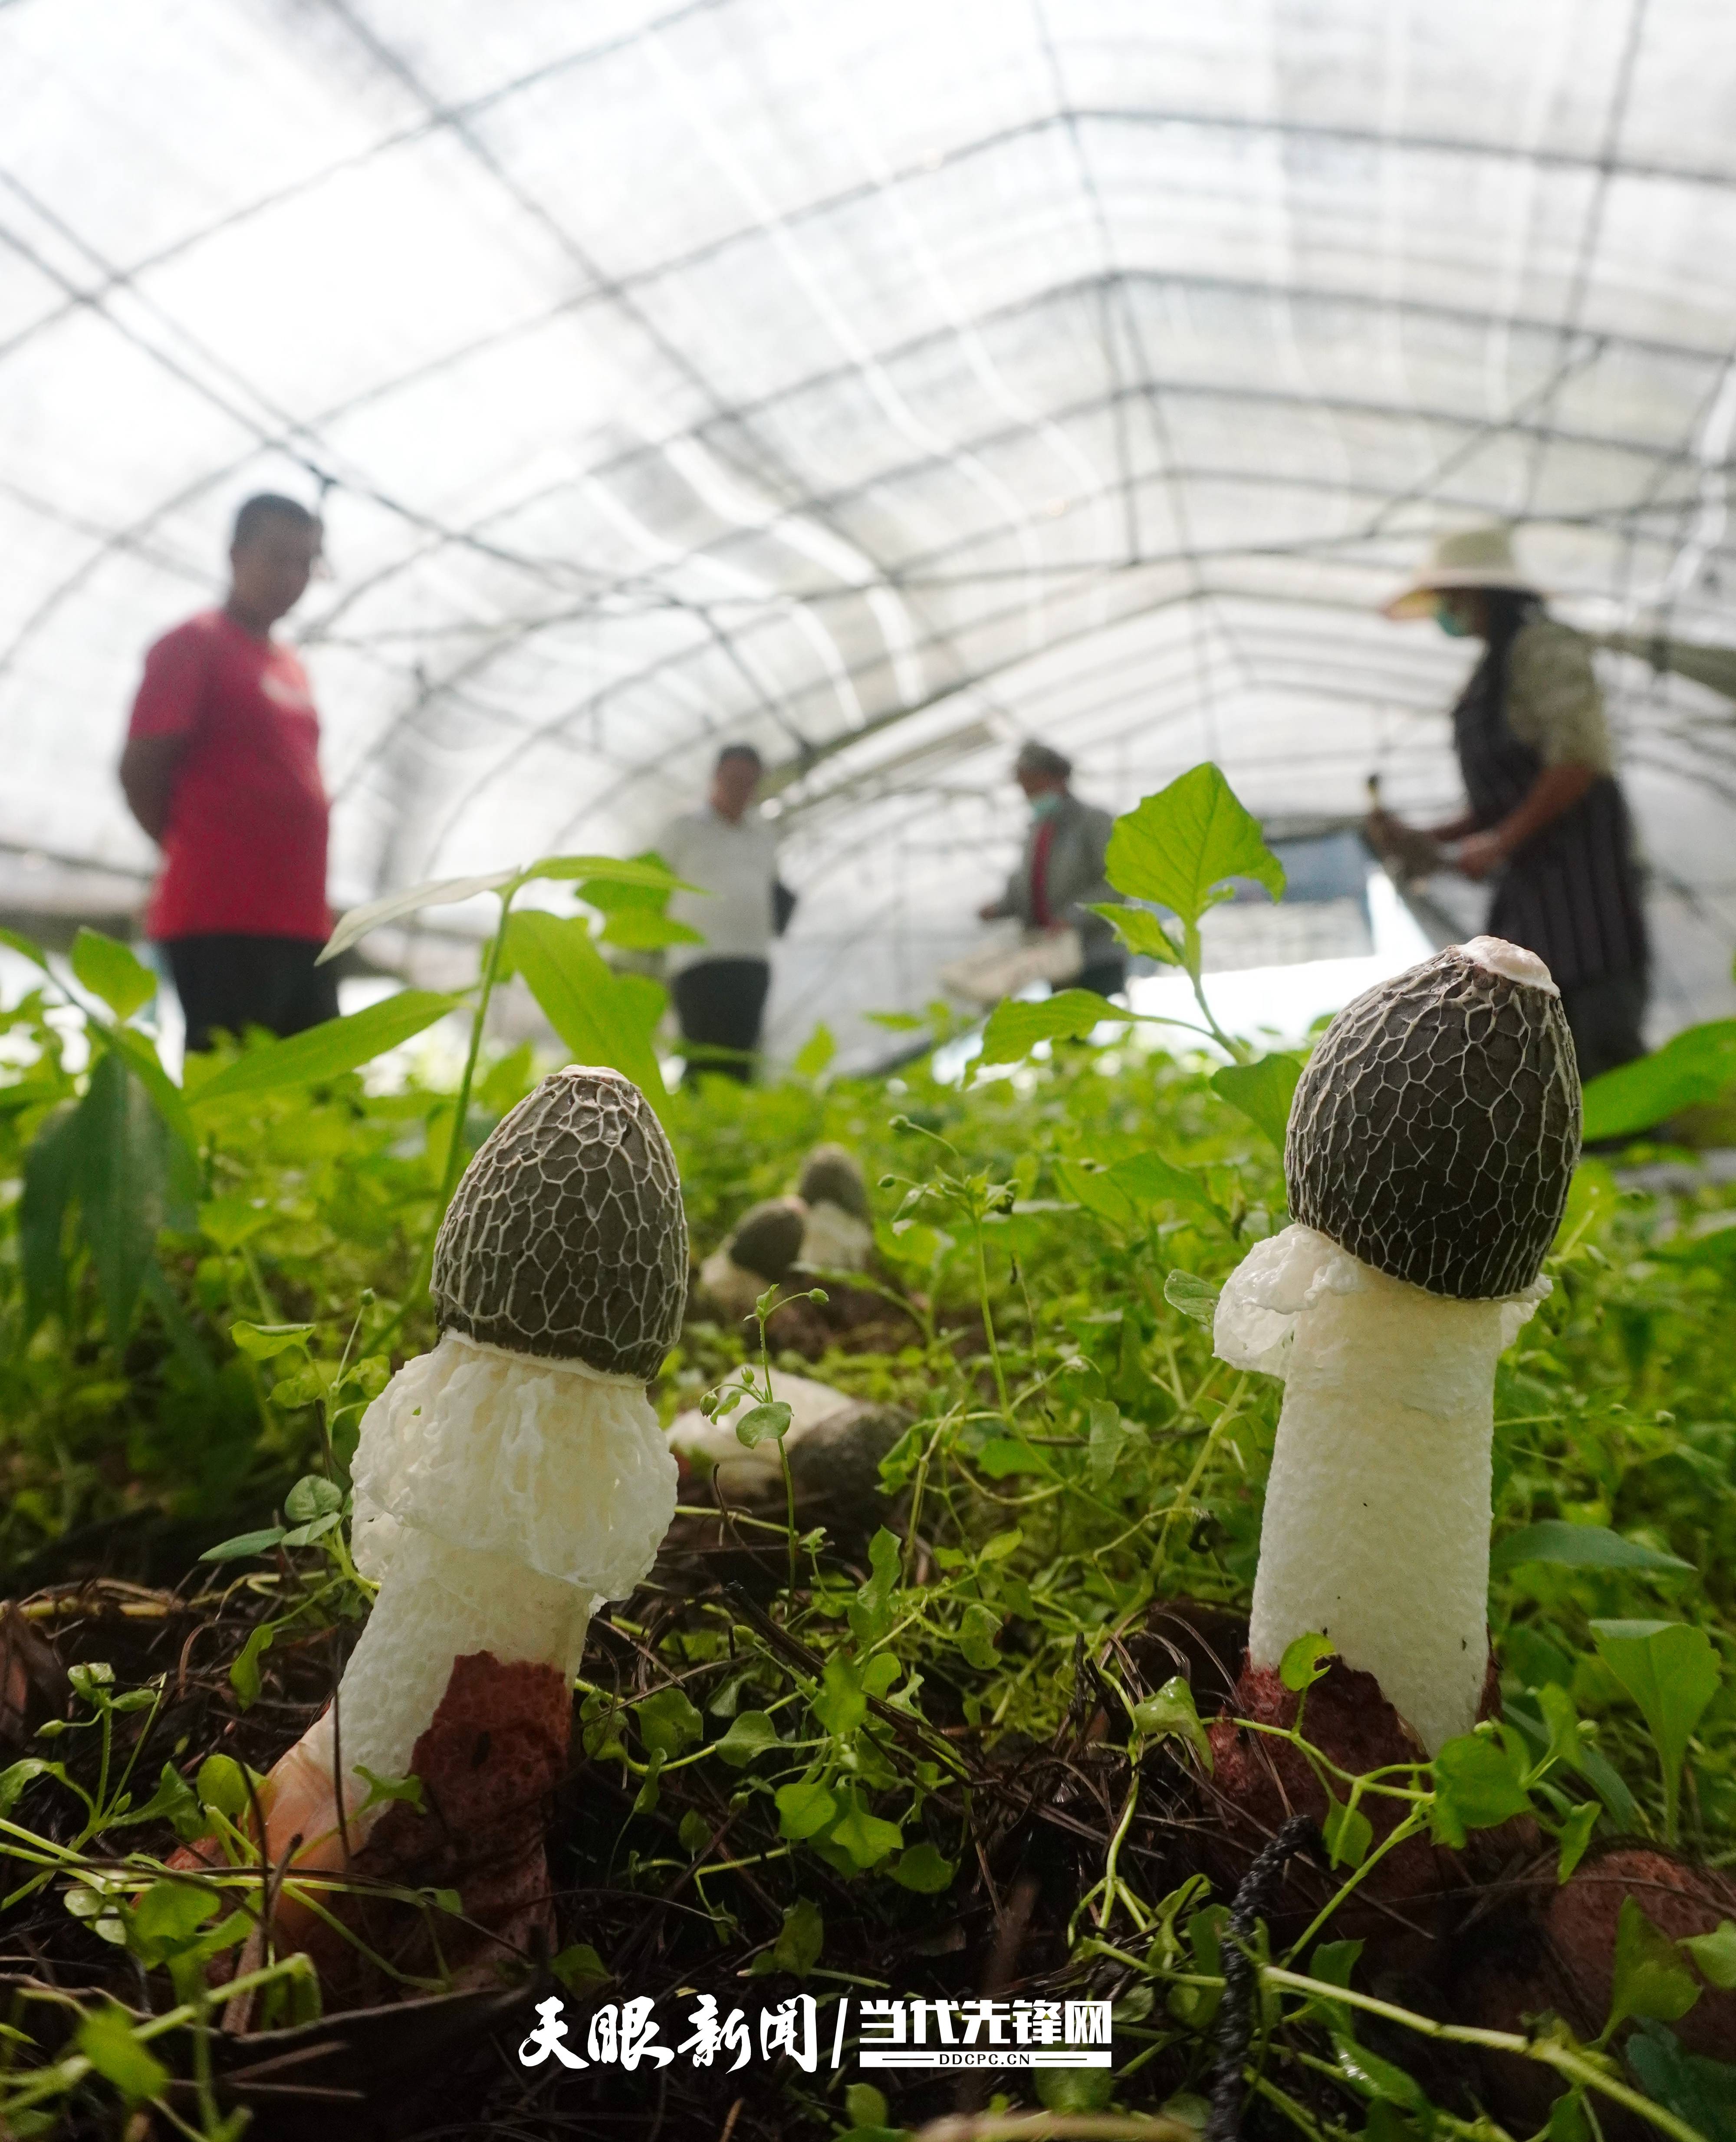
point(222, 769)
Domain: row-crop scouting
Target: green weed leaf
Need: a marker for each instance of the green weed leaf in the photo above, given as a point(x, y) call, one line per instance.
point(1577, 1547)
point(1171, 1713)
point(864, 1837)
point(1348, 1832)
point(312, 1497)
point(106, 2039)
point(668, 1723)
point(1477, 1784)
point(1196, 1298)
point(111, 971)
point(1140, 931)
point(244, 1674)
point(748, 1738)
point(816, 1055)
point(1015, 1027)
point(924, 1869)
point(1262, 1092)
point(1671, 1673)
point(769, 1423)
point(324, 1052)
point(601, 1017)
point(1576, 1836)
point(579, 1967)
point(1652, 1978)
point(841, 1703)
point(1697, 1067)
point(243, 1543)
point(800, 1940)
point(804, 1809)
point(264, 1342)
point(1179, 848)
point(871, 1610)
point(1305, 1661)
point(977, 1633)
point(1715, 1954)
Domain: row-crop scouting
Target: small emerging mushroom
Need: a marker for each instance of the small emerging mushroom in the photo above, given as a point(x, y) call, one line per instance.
point(509, 1481)
point(1432, 1141)
point(839, 1235)
point(762, 1252)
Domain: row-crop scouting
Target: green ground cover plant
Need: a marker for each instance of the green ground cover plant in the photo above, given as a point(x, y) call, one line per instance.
point(797, 1762)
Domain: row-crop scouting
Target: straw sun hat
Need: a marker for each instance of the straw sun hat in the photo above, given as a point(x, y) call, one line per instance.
point(1469, 558)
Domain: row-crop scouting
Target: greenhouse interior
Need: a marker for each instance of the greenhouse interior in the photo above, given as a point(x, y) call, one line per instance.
point(868, 1070)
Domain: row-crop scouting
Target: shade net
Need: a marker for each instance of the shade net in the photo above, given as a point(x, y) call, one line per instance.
point(880, 385)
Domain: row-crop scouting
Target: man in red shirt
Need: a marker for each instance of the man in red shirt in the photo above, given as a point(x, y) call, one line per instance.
point(221, 768)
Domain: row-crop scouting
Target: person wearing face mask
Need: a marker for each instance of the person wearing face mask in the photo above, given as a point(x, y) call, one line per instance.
point(1545, 819)
point(1060, 874)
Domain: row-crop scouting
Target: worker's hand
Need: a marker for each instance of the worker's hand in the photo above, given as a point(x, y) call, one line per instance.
point(1479, 856)
point(989, 911)
point(1412, 853)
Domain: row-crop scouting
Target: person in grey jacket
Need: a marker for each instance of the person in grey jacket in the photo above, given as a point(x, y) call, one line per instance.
point(1060, 874)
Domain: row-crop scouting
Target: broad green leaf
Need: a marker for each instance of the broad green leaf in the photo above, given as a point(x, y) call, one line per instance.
point(1652, 1977)
point(1003, 1457)
point(112, 971)
point(1073, 2091)
point(694, 1832)
point(1015, 1027)
point(50, 1175)
point(871, 1611)
point(767, 1423)
point(647, 872)
point(1559, 1716)
point(1348, 1832)
point(243, 1543)
point(1698, 1066)
point(1715, 1954)
point(27, 947)
point(1171, 1715)
point(264, 1342)
point(223, 1785)
point(1262, 1092)
point(977, 1633)
point(800, 1939)
point(166, 1097)
point(106, 2039)
point(229, 1222)
point(315, 1528)
point(635, 930)
point(1126, 1193)
point(1699, 2092)
point(579, 1967)
point(841, 1703)
point(1306, 1660)
point(924, 1869)
point(169, 1913)
point(26, 1771)
point(1672, 1672)
point(244, 1674)
point(1179, 848)
point(1195, 1297)
point(863, 1836)
point(312, 1497)
point(668, 1722)
point(326, 1051)
point(1107, 1438)
point(999, 1545)
point(122, 1184)
point(1577, 1547)
point(434, 892)
point(1574, 1839)
point(1379, 2078)
point(816, 1055)
point(748, 1738)
point(1477, 1784)
point(600, 1017)
point(804, 1809)
point(1140, 931)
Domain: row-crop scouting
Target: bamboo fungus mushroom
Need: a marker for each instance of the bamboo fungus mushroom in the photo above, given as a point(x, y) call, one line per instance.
point(1432, 1141)
point(839, 1235)
point(509, 1481)
point(761, 1253)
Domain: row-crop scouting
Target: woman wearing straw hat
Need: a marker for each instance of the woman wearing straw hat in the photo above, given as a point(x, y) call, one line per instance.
point(1547, 820)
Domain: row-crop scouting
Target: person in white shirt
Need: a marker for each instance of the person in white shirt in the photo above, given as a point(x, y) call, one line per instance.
point(728, 848)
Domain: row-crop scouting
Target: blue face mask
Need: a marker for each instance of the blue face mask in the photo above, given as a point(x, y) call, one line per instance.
point(1045, 807)
point(1452, 623)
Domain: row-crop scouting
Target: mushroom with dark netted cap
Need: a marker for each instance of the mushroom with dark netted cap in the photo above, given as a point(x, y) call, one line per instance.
point(511, 1480)
point(762, 1252)
point(1433, 1139)
point(839, 1235)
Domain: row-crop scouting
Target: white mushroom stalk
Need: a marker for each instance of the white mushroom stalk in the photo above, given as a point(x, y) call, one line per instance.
point(1432, 1141)
point(509, 1481)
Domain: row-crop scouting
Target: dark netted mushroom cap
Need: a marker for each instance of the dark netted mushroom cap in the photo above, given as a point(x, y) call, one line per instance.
point(566, 1237)
point(1437, 1127)
point(832, 1175)
point(768, 1239)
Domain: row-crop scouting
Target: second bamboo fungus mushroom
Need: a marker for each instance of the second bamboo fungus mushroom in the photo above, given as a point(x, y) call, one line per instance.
point(509, 1481)
point(839, 1235)
point(1432, 1141)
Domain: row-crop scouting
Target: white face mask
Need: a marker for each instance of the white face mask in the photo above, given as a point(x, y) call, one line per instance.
point(1045, 805)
